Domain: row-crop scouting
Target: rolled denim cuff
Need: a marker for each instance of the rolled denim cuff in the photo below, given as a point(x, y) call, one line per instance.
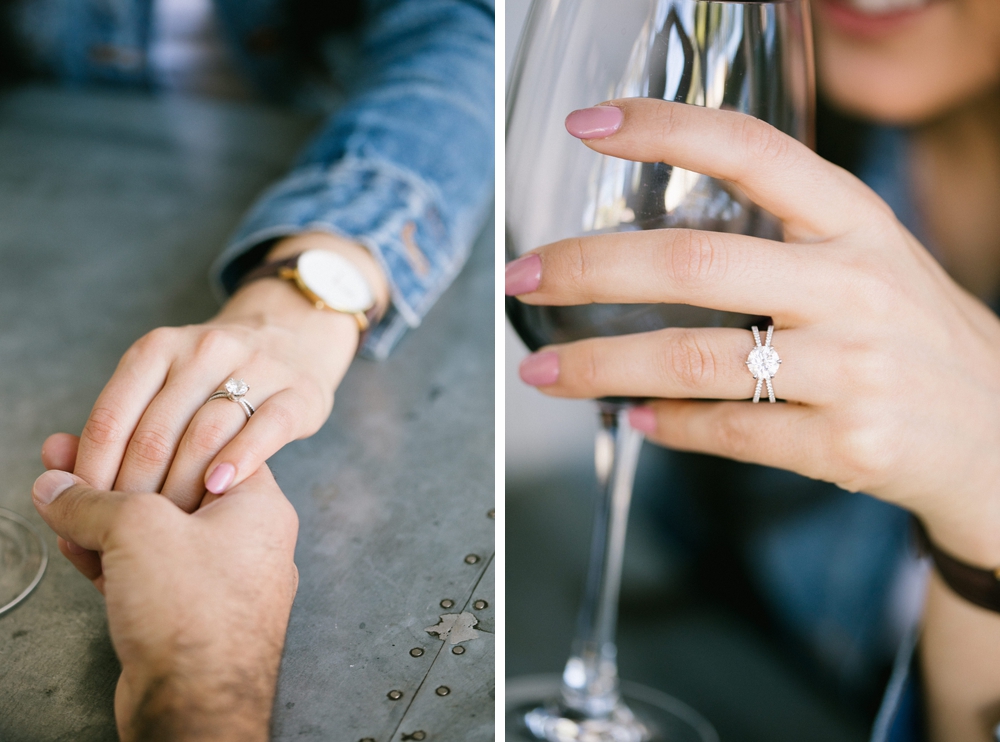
point(389, 210)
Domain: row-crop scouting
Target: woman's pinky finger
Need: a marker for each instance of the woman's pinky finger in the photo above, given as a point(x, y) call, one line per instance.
point(283, 418)
point(786, 436)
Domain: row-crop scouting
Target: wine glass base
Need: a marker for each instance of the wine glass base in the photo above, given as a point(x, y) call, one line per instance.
point(648, 715)
point(23, 557)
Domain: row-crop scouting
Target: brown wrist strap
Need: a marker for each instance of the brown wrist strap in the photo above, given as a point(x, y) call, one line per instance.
point(268, 270)
point(978, 586)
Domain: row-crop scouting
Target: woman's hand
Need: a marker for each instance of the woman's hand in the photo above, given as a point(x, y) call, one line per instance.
point(151, 429)
point(891, 371)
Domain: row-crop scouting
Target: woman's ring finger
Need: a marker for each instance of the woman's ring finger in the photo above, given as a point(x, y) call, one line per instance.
point(681, 363)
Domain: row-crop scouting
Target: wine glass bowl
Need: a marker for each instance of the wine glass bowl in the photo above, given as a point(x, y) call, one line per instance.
point(23, 558)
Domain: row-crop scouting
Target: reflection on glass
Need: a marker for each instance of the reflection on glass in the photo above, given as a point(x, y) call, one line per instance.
point(23, 557)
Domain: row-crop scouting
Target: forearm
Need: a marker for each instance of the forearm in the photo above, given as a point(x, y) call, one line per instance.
point(174, 709)
point(960, 657)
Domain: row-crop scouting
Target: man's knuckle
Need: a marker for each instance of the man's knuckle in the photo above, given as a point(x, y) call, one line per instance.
point(137, 511)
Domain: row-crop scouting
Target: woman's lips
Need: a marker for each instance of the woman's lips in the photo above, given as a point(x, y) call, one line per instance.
point(871, 18)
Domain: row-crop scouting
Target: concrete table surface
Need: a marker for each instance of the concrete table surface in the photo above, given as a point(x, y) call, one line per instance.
point(112, 207)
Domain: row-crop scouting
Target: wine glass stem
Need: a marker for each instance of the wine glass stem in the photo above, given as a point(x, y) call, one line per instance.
point(590, 680)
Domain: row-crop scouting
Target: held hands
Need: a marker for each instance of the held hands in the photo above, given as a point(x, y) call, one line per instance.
point(197, 604)
point(891, 370)
point(151, 429)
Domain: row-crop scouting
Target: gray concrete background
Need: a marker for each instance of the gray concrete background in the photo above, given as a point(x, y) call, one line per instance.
point(111, 209)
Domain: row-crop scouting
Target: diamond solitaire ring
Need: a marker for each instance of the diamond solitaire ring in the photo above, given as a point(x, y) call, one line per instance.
point(235, 390)
point(763, 363)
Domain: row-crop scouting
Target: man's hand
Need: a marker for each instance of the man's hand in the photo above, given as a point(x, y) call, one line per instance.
point(197, 604)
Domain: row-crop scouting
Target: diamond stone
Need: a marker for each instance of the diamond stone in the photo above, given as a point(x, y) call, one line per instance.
point(237, 388)
point(763, 362)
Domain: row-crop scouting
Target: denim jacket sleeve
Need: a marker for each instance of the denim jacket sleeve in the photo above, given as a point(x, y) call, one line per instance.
point(405, 167)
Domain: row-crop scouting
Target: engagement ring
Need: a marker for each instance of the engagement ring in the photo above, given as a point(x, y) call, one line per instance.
point(763, 363)
point(235, 390)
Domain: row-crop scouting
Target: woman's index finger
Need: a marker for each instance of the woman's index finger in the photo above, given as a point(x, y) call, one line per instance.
point(813, 198)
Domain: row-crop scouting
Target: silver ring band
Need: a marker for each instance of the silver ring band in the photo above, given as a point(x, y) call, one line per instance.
point(763, 363)
point(234, 391)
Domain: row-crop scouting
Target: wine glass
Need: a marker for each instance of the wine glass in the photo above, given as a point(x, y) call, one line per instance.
point(23, 557)
point(751, 57)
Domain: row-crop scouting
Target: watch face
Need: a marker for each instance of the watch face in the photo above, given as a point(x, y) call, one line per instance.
point(336, 281)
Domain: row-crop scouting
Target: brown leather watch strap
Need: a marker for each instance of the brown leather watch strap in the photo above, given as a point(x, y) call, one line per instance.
point(976, 585)
point(365, 319)
point(267, 270)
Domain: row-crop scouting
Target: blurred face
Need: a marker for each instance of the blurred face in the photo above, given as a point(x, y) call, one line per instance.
point(906, 61)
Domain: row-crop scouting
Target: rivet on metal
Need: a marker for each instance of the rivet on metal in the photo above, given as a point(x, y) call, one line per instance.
point(417, 735)
point(368, 739)
point(480, 605)
point(446, 603)
point(471, 558)
point(416, 652)
point(458, 650)
point(442, 690)
point(491, 514)
point(395, 695)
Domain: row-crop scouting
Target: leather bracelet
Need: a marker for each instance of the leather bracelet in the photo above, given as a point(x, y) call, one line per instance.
point(978, 586)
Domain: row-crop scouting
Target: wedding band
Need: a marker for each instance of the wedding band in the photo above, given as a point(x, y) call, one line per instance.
point(235, 390)
point(763, 363)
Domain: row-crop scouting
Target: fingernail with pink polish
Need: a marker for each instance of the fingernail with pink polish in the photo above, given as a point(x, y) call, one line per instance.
point(595, 123)
point(523, 275)
point(220, 478)
point(52, 484)
point(642, 419)
point(540, 369)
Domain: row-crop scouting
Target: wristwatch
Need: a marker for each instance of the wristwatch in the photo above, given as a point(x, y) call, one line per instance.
point(328, 280)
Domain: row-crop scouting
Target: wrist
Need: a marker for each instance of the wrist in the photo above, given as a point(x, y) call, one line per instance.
point(193, 700)
point(276, 303)
point(974, 540)
point(356, 253)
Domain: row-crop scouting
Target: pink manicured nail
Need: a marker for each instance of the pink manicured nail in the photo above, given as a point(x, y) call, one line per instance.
point(642, 419)
point(50, 485)
point(220, 478)
point(523, 275)
point(595, 123)
point(540, 369)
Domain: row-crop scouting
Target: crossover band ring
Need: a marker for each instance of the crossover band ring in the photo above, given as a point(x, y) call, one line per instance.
point(763, 363)
point(235, 390)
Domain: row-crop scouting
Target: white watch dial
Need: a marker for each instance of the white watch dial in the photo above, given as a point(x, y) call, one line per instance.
point(336, 281)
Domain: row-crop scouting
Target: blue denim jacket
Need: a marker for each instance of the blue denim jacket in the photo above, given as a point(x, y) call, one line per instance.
point(404, 166)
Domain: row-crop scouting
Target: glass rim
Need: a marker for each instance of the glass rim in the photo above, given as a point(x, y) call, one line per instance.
point(25, 523)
